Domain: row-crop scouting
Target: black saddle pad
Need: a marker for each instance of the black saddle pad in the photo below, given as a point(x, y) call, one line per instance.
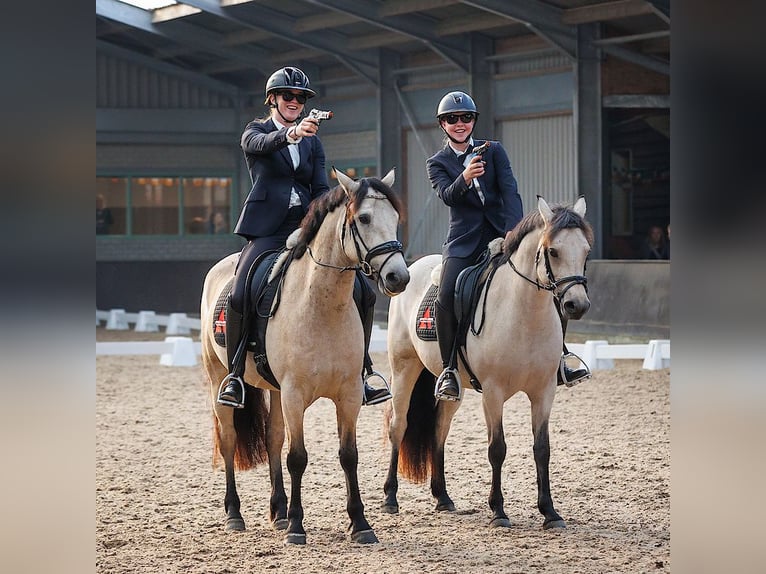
point(425, 325)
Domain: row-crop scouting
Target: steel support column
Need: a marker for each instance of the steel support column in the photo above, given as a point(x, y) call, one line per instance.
point(389, 117)
point(588, 129)
point(480, 84)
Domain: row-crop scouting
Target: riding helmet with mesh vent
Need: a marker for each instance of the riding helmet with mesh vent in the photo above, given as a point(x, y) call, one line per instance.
point(289, 78)
point(455, 103)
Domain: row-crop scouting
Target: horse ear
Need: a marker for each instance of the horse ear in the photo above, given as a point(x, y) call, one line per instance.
point(544, 209)
point(390, 176)
point(349, 185)
point(579, 206)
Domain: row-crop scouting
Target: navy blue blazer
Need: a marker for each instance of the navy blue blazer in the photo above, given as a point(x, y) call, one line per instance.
point(501, 211)
point(273, 176)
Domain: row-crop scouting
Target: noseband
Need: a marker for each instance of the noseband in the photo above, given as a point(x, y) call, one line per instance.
point(553, 284)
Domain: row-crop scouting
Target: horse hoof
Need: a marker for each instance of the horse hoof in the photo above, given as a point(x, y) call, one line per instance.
point(500, 523)
point(364, 537)
point(445, 507)
point(390, 508)
point(554, 524)
point(279, 524)
point(235, 524)
point(295, 538)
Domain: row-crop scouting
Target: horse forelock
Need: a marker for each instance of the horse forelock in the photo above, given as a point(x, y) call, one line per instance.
point(563, 218)
point(320, 207)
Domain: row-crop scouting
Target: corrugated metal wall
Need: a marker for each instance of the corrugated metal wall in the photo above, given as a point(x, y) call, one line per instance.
point(542, 153)
point(122, 84)
point(427, 216)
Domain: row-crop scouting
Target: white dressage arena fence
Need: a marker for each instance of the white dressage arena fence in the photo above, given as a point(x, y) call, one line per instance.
point(177, 351)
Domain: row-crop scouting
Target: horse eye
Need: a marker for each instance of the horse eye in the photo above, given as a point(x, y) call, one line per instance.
point(553, 252)
point(365, 219)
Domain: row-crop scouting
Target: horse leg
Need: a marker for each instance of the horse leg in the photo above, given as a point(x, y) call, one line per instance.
point(275, 438)
point(347, 413)
point(297, 460)
point(404, 375)
point(445, 410)
point(493, 415)
point(541, 411)
point(227, 445)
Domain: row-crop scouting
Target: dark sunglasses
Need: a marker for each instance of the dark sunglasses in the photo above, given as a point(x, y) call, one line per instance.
point(289, 96)
point(452, 119)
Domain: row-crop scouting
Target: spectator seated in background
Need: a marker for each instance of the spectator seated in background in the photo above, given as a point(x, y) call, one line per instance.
point(655, 246)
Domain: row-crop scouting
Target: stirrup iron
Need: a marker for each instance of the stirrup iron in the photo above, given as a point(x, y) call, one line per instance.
point(562, 371)
point(229, 403)
point(373, 374)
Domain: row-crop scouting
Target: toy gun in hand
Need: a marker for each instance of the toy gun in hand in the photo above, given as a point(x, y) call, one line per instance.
point(320, 115)
point(479, 150)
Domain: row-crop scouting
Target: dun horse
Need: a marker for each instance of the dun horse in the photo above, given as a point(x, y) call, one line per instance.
point(515, 346)
point(315, 348)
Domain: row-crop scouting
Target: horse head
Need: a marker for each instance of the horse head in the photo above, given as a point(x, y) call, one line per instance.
point(564, 246)
point(372, 218)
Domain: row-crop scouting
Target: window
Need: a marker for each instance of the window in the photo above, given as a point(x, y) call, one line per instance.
point(168, 205)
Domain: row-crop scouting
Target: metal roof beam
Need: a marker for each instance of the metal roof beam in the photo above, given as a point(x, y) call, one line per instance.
point(283, 26)
point(661, 8)
point(323, 21)
point(606, 11)
point(180, 32)
point(418, 27)
point(398, 7)
point(542, 19)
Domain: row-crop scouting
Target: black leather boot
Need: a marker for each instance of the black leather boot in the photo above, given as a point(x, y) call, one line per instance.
point(231, 392)
point(565, 375)
point(448, 384)
point(364, 297)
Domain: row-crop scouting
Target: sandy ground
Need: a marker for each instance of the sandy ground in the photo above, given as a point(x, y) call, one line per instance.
point(159, 503)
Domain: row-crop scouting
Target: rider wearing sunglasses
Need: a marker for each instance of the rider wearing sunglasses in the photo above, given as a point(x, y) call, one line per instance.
point(484, 203)
point(286, 162)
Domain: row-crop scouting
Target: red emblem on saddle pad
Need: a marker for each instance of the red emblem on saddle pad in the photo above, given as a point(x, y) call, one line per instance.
point(220, 323)
point(426, 321)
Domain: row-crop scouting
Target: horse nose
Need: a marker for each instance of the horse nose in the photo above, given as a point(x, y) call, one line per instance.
point(396, 282)
point(574, 309)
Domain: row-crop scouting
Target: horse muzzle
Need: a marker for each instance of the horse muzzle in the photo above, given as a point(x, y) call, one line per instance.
point(393, 282)
point(575, 307)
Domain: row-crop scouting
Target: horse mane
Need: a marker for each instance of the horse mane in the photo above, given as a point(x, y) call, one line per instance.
point(563, 218)
point(324, 204)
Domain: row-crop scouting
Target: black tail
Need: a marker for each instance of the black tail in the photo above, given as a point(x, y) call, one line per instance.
point(418, 442)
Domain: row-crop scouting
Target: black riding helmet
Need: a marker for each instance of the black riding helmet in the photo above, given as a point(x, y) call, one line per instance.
point(456, 103)
point(289, 78)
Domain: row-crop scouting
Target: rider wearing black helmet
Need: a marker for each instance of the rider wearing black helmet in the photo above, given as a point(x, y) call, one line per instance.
point(286, 162)
point(484, 203)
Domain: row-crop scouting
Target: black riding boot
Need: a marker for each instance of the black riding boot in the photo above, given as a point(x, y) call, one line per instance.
point(565, 375)
point(231, 392)
point(364, 297)
point(448, 383)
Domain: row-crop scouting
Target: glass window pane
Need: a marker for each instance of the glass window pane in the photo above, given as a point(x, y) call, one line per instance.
point(206, 204)
point(111, 194)
point(154, 205)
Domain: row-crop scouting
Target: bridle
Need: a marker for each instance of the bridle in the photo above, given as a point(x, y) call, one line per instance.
point(365, 261)
point(553, 285)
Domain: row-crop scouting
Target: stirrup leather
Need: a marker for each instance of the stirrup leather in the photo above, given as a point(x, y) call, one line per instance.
point(228, 402)
point(562, 370)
